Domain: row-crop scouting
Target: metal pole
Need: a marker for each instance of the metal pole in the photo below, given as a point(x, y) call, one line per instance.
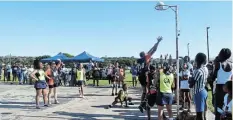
point(177, 61)
point(188, 49)
point(207, 32)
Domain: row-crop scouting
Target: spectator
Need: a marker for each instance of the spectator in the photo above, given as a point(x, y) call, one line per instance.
point(109, 73)
point(134, 72)
point(198, 83)
point(0, 71)
point(30, 70)
point(14, 72)
point(115, 75)
point(121, 77)
point(227, 103)
point(24, 74)
point(222, 73)
point(8, 72)
point(19, 74)
point(89, 69)
point(96, 75)
point(184, 86)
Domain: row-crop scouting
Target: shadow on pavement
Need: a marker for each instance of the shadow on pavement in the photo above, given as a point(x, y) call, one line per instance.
point(95, 95)
point(78, 116)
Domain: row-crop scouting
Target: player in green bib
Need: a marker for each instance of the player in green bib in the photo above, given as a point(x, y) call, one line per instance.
point(165, 85)
point(80, 79)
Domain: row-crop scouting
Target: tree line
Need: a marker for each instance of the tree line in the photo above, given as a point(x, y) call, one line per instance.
point(123, 61)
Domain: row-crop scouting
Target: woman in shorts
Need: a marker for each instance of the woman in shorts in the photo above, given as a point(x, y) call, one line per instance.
point(80, 79)
point(40, 85)
point(51, 73)
point(184, 86)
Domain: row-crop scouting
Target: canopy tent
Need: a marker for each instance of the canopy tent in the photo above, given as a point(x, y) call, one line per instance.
point(60, 56)
point(85, 57)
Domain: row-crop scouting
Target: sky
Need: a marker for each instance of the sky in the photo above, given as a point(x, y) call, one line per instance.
point(121, 29)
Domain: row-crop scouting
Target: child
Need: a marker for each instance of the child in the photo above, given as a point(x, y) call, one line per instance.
point(122, 97)
point(80, 80)
point(184, 86)
point(227, 107)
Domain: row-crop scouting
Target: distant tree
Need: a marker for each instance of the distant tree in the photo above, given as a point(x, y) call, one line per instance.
point(68, 55)
point(42, 57)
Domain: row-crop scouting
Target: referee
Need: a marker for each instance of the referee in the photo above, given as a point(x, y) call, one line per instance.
point(198, 83)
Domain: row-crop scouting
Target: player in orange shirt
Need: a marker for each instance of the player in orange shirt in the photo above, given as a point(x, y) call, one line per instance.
point(143, 64)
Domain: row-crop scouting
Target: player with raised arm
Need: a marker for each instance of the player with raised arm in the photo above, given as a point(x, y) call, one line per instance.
point(143, 64)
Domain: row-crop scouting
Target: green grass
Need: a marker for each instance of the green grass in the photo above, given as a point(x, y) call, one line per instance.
point(209, 102)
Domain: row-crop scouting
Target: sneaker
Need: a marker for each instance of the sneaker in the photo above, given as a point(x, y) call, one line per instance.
point(140, 108)
point(46, 105)
point(112, 94)
point(37, 107)
point(126, 106)
point(115, 93)
point(131, 104)
point(56, 102)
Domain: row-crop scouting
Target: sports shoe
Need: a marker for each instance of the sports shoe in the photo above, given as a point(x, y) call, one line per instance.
point(131, 104)
point(56, 102)
point(140, 108)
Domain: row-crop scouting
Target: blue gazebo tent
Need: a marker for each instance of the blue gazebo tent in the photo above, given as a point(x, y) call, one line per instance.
point(60, 56)
point(86, 57)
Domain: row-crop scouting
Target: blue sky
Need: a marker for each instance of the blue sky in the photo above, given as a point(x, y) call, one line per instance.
point(111, 28)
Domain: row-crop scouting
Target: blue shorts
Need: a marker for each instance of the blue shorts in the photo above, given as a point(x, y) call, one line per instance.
point(41, 84)
point(164, 99)
point(200, 100)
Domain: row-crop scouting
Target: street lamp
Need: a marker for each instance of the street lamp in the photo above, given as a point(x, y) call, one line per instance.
point(188, 49)
point(161, 6)
point(207, 34)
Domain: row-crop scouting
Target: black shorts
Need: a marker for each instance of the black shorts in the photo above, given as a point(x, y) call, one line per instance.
point(80, 82)
point(164, 99)
point(151, 99)
point(54, 85)
point(185, 90)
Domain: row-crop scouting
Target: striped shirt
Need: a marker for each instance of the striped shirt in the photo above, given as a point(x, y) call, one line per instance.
point(200, 78)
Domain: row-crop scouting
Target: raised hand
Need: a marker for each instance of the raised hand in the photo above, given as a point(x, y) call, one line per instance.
point(160, 38)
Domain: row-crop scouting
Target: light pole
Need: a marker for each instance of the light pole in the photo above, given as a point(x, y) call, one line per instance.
point(188, 49)
point(161, 6)
point(207, 34)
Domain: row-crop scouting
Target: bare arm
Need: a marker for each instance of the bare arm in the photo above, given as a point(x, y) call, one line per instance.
point(32, 75)
point(216, 68)
point(154, 48)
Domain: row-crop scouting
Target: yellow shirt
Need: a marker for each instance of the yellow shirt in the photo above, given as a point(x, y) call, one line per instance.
point(166, 82)
point(42, 74)
point(80, 75)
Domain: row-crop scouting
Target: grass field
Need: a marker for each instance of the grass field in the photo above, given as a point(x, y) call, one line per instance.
point(128, 81)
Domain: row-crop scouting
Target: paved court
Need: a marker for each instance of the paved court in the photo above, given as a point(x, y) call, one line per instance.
point(17, 103)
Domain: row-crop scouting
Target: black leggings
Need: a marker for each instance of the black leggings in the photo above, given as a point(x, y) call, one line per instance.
point(97, 81)
point(201, 116)
point(219, 97)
